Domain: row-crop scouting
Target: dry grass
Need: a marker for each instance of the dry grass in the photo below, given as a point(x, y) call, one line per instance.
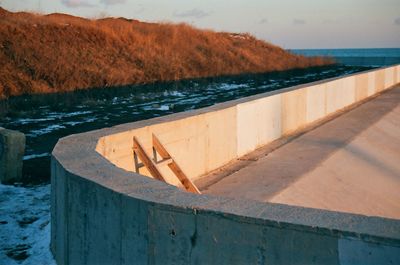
point(57, 52)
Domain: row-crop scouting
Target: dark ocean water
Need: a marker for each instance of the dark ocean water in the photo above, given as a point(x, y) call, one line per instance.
point(46, 118)
point(357, 57)
point(385, 52)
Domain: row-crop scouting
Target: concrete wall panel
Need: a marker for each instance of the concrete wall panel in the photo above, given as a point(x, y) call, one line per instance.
point(218, 237)
point(361, 87)
point(247, 124)
point(59, 217)
point(355, 251)
point(398, 74)
point(348, 91)
point(134, 231)
point(76, 219)
point(258, 122)
point(389, 77)
point(221, 138)
point(293, 110)
point(269, 115)
point(284, 246)
point(379, 80)
point(187, 144)
point(316, 102)
point(172, 236)
point(53, 203)
point(371, 84)
point(118, 149)
point(103, 223)
point(340, 93)
point(333, 98)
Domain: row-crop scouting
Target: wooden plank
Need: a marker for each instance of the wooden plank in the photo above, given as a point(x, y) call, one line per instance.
point(138, 164)
point(186, 182)
point(164, 162)
point(160, 148)
point(137, 148)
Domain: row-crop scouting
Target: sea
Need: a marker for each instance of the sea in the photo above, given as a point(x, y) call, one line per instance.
point(360, 57)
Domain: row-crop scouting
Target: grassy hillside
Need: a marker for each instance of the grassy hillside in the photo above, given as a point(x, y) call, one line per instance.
point(58, 52)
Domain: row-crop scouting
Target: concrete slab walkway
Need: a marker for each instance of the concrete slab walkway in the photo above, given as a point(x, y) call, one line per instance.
point(348, 164)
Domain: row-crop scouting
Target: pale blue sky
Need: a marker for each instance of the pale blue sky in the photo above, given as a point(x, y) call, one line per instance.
point(288, 23)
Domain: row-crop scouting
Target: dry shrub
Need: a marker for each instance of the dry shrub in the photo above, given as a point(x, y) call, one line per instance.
point(58, 52)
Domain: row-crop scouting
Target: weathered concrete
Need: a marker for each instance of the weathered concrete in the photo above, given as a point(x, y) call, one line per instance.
point(105, 213)
point(350, 164)
point(12, 148)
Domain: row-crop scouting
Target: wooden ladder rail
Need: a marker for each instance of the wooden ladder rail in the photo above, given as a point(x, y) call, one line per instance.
point(151, 165)
point(186, 182)
point(147, 162)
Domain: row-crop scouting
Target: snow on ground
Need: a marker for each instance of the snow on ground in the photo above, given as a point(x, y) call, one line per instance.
point(25, 225)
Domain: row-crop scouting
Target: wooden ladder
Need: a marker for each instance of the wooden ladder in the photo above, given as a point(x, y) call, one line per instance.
point(153, 164)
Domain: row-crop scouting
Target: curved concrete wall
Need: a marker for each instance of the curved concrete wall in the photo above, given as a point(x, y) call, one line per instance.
point(104, 213)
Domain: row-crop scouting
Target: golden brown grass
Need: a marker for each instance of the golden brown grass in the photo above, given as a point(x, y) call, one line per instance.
point(58, 52)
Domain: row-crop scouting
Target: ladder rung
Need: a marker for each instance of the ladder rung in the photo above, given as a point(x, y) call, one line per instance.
point(139, 165)
point(164, 162)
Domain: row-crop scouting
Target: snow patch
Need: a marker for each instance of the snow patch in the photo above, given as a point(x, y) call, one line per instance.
point(28, 157)
point(25, 225)
point(29, 120)
point(60, 115)
point(45, 130)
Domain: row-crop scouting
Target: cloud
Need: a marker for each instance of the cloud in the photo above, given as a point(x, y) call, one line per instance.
point(77, 3)
point(397, 21)
point(298, 21)
point(195, 13)
point(263, 21)
point(90, 3)
point(329, 21)
point(112, 2)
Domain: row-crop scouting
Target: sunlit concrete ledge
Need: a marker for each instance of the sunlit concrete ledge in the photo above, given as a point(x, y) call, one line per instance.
point(103, 212)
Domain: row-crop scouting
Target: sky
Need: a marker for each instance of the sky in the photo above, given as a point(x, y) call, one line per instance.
point(292, 24)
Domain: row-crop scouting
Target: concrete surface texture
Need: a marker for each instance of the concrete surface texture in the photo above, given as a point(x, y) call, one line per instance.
point(103, 212)
point(12, 148)
point(349, 164)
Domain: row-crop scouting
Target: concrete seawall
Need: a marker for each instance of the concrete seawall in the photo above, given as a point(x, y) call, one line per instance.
point(207, 139)
point(103, 212)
